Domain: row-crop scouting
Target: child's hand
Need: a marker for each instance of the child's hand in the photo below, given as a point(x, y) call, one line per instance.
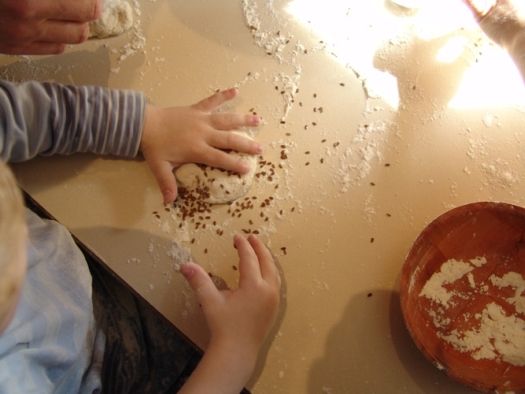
point(178, 135)
point(239, 320)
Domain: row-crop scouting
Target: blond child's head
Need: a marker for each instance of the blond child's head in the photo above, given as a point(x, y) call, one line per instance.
point(13, 234)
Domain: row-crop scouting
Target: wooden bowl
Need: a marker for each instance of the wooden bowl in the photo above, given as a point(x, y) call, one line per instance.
point(463, 295)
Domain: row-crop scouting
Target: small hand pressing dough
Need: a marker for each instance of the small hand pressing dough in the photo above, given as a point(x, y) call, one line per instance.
point(116, 18)
point(214, 185)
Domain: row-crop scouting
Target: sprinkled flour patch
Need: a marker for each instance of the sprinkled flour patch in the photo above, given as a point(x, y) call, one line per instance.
point(498, 336)
point(493, 333)
point(450, 271)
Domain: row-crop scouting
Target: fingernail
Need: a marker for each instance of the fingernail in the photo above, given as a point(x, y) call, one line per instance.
point(187, 270)
point(235, 240)
point(244, 168)
point(255, 120)
point(258, 149)
point(169, 196)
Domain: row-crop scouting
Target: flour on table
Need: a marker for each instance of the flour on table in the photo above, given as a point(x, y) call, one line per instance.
point(214, 185)
point(116, 18)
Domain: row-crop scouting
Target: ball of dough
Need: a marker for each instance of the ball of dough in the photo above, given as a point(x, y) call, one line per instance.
point(218, 186)
point(116, 18)
point(408, 4)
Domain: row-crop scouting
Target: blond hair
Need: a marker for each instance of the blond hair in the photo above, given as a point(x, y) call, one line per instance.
point(12, 229)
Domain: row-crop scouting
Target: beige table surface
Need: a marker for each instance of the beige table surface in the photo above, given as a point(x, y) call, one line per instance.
point(388, 117)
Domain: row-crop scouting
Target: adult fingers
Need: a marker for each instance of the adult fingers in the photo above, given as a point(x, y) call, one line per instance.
point(232, 121)
point(201, 283)
point(219, 159)
point(267, 265)
point(231, 141)
point(479, 9)
point(249, 270)
point(64, 32)
point(64, 10)
point(215, 100)
point(163, 173)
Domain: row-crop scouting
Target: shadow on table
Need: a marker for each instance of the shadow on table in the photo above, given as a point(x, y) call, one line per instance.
point(369, 351)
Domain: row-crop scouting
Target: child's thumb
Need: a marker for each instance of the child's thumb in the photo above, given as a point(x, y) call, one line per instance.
point(163, 172)
point(200, 282)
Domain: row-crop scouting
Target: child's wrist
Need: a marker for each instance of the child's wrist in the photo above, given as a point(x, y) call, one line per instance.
point(150, 124)
point(240, 357)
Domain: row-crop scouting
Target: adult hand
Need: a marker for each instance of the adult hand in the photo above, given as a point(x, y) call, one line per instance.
point(239, 320)
point(194, 134)
point(480, 8)
point(38, 27)
point(501, 20)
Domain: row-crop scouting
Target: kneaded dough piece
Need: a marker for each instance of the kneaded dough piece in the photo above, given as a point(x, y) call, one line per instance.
point(116, 18)
point(408, 4)
point(220, 186)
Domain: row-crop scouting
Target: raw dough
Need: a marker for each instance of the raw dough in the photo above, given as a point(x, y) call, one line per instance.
point(116, 18)
point(408, 4)
point(220, 186)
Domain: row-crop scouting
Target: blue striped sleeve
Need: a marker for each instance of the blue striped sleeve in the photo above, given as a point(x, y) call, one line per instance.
point(49, 118)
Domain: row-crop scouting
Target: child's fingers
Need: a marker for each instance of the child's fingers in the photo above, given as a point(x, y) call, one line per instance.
point(236, 142)
point(267, 265)
point(216, 100)
point(163, 173)
point(219, 159)
point(248, 267)
point(233, 121)
point(200, 282)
